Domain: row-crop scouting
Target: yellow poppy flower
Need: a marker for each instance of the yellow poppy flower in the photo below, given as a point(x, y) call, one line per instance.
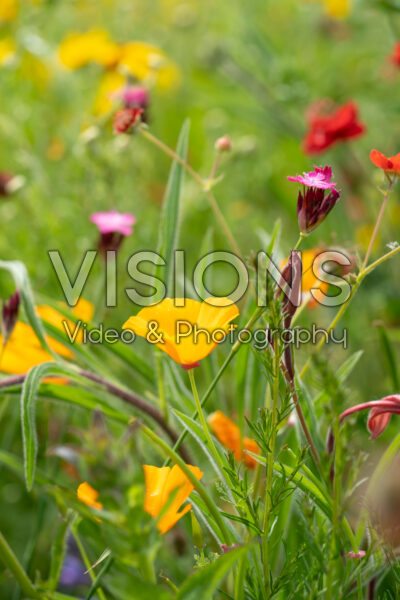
point(186, 333)
point(110, 82)
point(80, 49)
point(228, 434)
point(160, 484)
point(338, 9)
point(309, 281)
point(7, 50)
point(149, 63)
point(23, 350)
point(8, 10)
point(88, 496)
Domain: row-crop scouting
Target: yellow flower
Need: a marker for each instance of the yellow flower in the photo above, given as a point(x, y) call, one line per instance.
point(309, 281)
point(174, 322)
point(160, 484)
point(88, 496)
point(80, 49)
point(228, 434)
point(148, 63)
point(8, 10)
point(7, 50)
point(338, 9)
point(110, 82)
point(23, 350)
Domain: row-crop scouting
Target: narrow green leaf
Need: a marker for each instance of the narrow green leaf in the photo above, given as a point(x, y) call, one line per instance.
point(390, 356)
point(58, 550)
point(28, 414)
point(170, 215)
point(204, 583)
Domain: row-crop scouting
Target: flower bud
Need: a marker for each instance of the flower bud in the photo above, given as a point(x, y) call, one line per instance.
point(10, 315)
point(126, 119)
point(223, 144)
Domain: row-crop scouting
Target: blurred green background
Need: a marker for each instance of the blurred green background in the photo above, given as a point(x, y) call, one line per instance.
point(246, 69)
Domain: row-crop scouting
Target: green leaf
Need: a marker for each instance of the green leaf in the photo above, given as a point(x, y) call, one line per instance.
point(390, 356)
point(21, 278)
point(58, 550)
point(28, 413)
point(169, 223)
point(204, 583)
point(347, 367)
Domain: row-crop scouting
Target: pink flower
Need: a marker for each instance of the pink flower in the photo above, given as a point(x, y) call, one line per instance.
point(114, 222)
point(133, 96)
point(313, 203)
point(380, 413)
point(359, 554)
point(320, 178)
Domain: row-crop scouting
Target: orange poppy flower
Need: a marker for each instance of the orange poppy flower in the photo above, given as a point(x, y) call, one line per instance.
point(88, 495)
point(186, 333)
point(228, 434)
point(160, 484)
point(389, 164)
point(23, 349)
point(309, 280)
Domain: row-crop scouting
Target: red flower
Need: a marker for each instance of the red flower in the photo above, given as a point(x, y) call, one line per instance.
point(379, 415)
point(395, 56)
point(389, 165)
point(126, 118)
point(328, 128)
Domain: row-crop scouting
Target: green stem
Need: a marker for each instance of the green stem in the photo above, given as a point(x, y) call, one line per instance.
point(154, 140)
point(203, 421)
point(256, 315)
point(200, 489)
point(300, 240)
point(161, 387)
point(378, 221)
point(270, 463)
point(85, 558)
point(12, 563)
point(205, 185)
point(335, 511)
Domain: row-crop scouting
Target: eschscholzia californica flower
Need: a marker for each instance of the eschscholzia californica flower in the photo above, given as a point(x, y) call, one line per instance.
point(391, 164)
point(228, 433)
point(314, 204)
point(88, 495)
point(309, 281)
point(161, 483)
point(10, 315)
point(113, 227)
point(204, 325)
point(380, 413)
point(23, 349)
point(327, 128)
point(79, 49)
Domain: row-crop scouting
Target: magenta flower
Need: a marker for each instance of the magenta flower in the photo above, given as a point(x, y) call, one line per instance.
point(313, 204)
point(113, 227)
point(359, 554)
point(320, 178)
point(114, 222)
point(380, 413)
point(133, 96)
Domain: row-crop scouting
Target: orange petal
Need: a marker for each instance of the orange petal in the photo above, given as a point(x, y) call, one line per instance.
point(380, 160)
